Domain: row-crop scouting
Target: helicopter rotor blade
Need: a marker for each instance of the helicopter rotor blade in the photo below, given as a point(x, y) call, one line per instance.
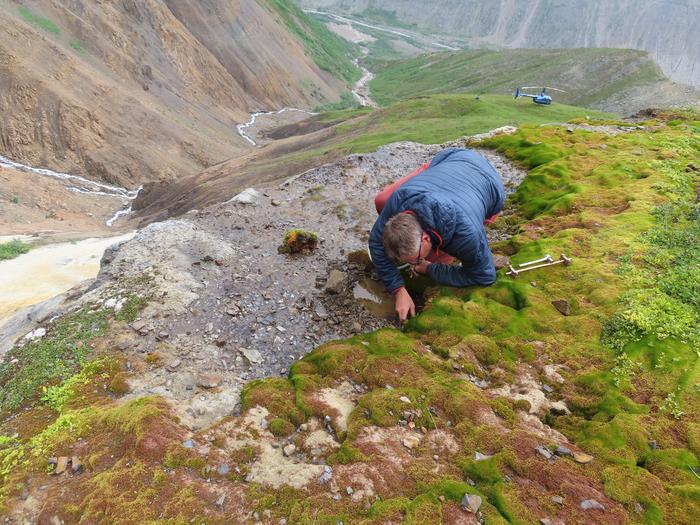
point(555, 89)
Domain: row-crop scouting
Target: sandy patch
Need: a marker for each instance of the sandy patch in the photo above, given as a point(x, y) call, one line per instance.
point(348, 32)
point(341, 400)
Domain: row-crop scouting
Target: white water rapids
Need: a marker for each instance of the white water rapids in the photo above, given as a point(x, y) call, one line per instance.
point(81, 185)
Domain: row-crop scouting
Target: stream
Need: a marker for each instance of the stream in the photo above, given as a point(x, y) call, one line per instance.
point(83, 186)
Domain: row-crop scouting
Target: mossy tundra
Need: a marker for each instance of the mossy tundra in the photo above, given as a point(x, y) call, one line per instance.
point(430, 420)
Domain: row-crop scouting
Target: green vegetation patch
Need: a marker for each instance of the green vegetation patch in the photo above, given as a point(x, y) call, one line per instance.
point(326, 49)
point(39, 21)
point(499, 72)
point(12, 249)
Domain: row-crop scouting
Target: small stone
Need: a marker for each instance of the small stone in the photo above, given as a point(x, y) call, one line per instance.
point(478, 456)
point(558, 500)
point(303, 427)
point(275, 202)
point(411, 442)
point(61, 465)
point(653, 445)
point(349, 491)
point(289, 449)
point(404, 399)
point(638, 508)
point(441, 498)
point(223, 469)
point(543, 451)
point(188, 443)
point(562, 451)
point(501, 261)
point(53, 460)
point(252, 355)
point(138, 325)
point(123, 345)
point(173, 365)
point(562, 306)
point(559, 408)
point(549, 521)
point(436, 457)
point(547, 388)
point(162, 335)
point(76, 465)
point(471, 503)
point(208, 380)
point(580, 457)
point(335, 282)
point(220, 501)
point(588, 504)
point(471, 482)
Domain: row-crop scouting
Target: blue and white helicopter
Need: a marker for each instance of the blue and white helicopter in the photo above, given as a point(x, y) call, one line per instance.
point(542, 98)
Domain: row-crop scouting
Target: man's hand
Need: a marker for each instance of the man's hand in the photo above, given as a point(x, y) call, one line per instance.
point(421, 267)
point(404, 305)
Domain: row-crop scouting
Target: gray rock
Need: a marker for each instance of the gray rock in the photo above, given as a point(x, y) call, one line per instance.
point(471, 503)
point(223, 469)
point(173, 365)
point(543, 451)
point(188, 443)
point(289, 449)
point(349, 491)
point(336, 282)
point(562, 451)
point(251, 355)
point(558, 500)
point(138, 325)
point(588, 504)
point(478, 456)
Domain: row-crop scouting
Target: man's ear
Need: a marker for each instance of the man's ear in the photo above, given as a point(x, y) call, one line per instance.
point(425, 237)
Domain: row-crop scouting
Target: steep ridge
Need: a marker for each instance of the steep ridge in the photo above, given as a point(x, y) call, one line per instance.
point(551, 24)
point(131, 91)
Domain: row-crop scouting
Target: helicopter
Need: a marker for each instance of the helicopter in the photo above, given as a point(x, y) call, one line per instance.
point(542, 98)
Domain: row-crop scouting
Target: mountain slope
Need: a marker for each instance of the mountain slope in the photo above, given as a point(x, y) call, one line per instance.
point(666, 28)
point(132, 91)
point(617, 80)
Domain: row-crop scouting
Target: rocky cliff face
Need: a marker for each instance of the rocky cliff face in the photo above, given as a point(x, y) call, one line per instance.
point(668, 29)
point(143, 90)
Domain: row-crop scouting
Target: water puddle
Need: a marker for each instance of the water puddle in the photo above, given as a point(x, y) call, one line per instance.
point(49, 270)
point(371, 294)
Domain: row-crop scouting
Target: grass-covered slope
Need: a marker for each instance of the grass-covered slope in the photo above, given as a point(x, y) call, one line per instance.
point(590, 76)
point(330, 52)
point(440, 118)
point(625, 362)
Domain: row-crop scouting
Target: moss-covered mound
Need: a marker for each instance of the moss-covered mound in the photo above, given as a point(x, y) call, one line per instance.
point(475, 396)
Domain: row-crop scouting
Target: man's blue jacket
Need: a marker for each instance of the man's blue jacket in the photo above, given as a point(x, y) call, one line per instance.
point(450, 199)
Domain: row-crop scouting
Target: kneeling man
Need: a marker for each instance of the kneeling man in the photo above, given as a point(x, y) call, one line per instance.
point(434, 215)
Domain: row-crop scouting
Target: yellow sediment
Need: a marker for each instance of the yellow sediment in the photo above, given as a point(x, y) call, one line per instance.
point(48, 271)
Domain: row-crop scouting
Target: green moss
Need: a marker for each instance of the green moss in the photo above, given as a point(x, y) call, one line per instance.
point(12, 249)
point(49, 359)
point(281, 427)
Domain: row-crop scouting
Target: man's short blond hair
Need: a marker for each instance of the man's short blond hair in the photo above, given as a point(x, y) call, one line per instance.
point(401, 236)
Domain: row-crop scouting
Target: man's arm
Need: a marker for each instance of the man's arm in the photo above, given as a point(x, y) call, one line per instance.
point(477, 265)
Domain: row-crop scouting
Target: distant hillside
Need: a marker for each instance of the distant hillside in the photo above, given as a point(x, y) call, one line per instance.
point(141, 90)
point(617, 80)
point(668, 29)
point(428, 120)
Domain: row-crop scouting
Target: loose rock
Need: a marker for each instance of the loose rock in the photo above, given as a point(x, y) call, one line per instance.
point(471, 503)
point(588, 504)
point(562, 306)
point(411, 442)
